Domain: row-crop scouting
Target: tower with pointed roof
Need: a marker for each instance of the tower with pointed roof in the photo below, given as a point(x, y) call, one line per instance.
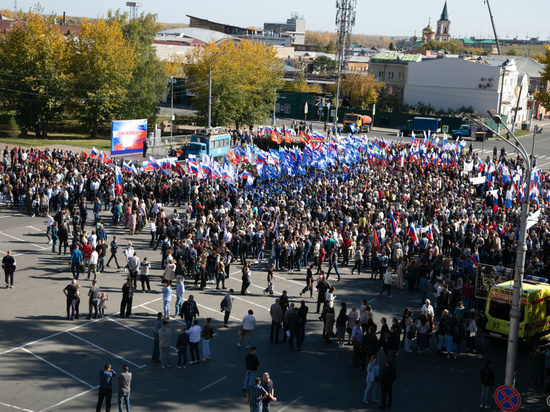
point(443, 26)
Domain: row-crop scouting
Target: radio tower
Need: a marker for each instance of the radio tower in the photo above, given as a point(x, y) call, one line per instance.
point(345, 20)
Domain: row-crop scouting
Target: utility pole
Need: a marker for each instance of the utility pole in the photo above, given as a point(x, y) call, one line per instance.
point(171, 108)
point(345, 20)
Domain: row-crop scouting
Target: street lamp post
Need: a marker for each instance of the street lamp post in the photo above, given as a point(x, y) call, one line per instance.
point(210, 89)
point(515, 310)
point(171, 108)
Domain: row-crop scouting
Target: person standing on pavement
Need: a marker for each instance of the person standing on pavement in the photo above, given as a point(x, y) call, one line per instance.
point(247, 324)
point(114, 249)
point(144, 275)
point(106, 376)
point(133, 266)
point(124, 381)
point(226, 306)
point(194, 339)
point(356, 338)
point(71, 293)
point(49, 222)
point(302, 312)
point(166, 298)
point(128, 253)
point(206, 333)
point(102, 252)
point(157, 324)
point(387, 283)
point(276, 313)
point(267, 384)
point(294, 329)
point(77, 262)
point(180, 290)
point(127, 297)
point(487, 383)
point(165, 339)
point(387, 378)
point(252, 362)
point(92, 264)
point(333, 263)
point(309, 282)
point(9, 265)
point(255, 396)
point(189, 311)
point(54, 236)
point(181, 346)
point(93, 299)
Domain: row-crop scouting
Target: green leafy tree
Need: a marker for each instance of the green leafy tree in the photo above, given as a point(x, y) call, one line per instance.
point(325, 65)
point(102, 63)
point(149, 74)
point(245, 77)
point(543, 95)
point(33, 72)
point(300, 84)
point(363, 89)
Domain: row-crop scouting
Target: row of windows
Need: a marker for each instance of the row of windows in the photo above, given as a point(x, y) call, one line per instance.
point(219, 143)
point(400, 75)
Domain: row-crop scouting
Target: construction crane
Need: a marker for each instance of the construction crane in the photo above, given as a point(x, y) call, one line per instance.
point(493, 24)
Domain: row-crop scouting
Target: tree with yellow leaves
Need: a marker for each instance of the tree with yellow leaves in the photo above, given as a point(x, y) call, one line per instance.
point(33, 62)
point(245, 77)
point(102, 64)
point(362, 89)
point(543, 95)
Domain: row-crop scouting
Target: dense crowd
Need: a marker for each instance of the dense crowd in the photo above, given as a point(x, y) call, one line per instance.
point(409, 221)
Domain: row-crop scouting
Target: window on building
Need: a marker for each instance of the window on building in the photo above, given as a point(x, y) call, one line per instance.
point(287, 108)
point(445, 29)
point(400, 91)
point(390, 75)
point(381, 75)
point(401, 76)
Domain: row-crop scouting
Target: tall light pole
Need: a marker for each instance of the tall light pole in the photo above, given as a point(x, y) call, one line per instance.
point(171, 108)
point(210, 88)
point(515, 309)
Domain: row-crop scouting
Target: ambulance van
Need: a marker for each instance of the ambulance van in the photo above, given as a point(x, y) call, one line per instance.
point(535, 310)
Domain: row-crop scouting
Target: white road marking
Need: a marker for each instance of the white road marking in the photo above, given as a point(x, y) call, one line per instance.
point(57, 367)
point(132, 329)
point(70, 329)
point(291, 403)
point(105, 350)
point(212, 384)
point(15, 407)
point(38, 230)
point(25, 241)
point(69, 399)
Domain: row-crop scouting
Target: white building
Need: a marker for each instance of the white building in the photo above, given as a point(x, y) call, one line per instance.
point(452, 83)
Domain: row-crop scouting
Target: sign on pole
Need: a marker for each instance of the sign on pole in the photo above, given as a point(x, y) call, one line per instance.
point(507, 398)
point(305, 108)
point(373, 109)
point(445, 129)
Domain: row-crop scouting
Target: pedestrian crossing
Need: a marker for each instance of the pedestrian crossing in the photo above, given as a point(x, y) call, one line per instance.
point(489, 153)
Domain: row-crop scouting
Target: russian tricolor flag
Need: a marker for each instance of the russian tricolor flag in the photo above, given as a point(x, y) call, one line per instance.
point(118, 180)
point(412, 233)
point(94, 152)
point(393, 224)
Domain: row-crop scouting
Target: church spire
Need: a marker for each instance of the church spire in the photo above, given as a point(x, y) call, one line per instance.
point(444, 14)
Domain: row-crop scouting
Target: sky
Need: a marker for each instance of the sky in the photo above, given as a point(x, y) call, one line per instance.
point(400, 18)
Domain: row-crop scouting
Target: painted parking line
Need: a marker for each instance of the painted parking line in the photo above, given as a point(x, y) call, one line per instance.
point(67, 400)
point(291, 403)
point(38, 230)
point(57, 367)
point(212, 384)
point(105, 350)
point(15, 407)
point(14, 215)
point(24, 241)
point(130, 328)
point(72, 329)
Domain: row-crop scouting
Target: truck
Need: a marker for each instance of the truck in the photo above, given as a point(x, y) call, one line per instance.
point(535, 314)
point(214, 142)
point(421, 124)
point(357, 122)
point(467, 130)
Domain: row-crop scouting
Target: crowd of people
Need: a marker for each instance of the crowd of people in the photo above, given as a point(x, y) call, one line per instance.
point(414, 223)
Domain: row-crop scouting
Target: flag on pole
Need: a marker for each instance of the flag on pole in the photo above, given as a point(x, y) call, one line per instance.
point(118, 180)
point(412, 233)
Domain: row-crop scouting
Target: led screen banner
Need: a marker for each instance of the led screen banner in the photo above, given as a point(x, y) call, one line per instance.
point(127, 136)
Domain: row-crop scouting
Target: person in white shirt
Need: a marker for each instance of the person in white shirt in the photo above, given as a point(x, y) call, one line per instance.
point(427, 308)
point(194, 333)
point(92, 264)
point(248, 324)
point(49, 222)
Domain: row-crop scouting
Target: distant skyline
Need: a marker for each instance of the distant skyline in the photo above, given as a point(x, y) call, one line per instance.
point(393, 18)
